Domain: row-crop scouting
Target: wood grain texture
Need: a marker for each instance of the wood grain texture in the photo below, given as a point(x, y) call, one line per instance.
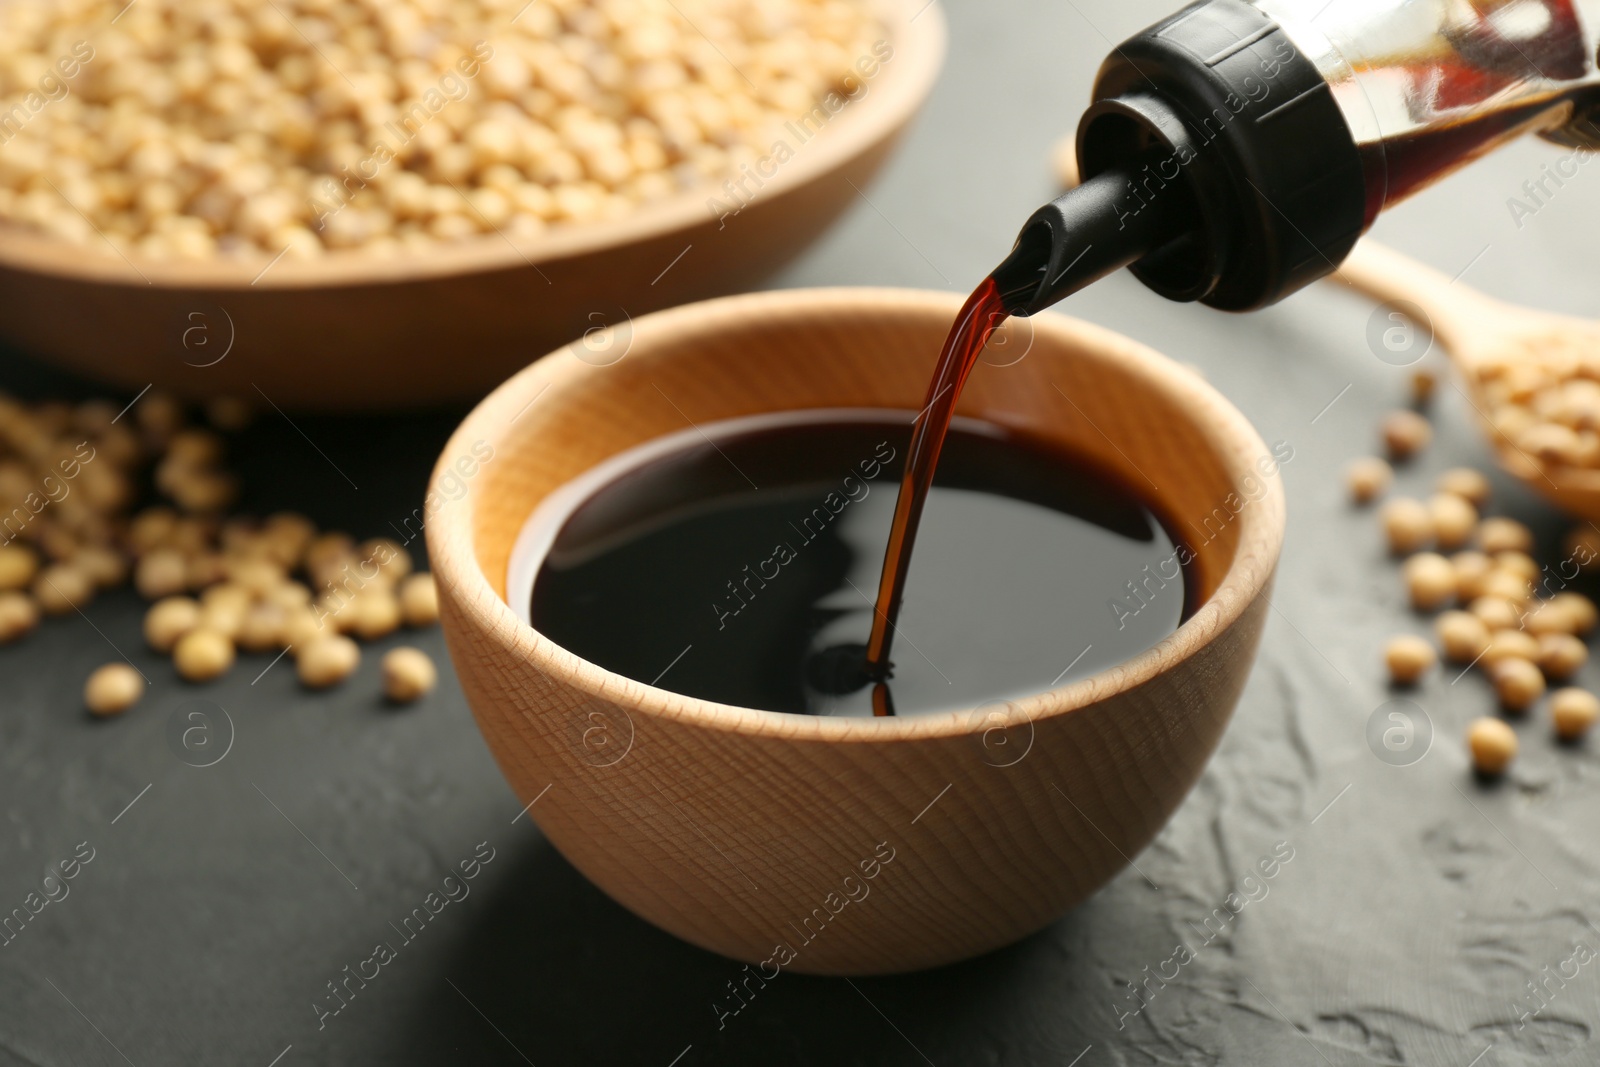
point(353, 331)
point(1473, 328)
point(729, 827)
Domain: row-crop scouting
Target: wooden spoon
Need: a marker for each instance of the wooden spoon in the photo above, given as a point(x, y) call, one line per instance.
point(1503, 352)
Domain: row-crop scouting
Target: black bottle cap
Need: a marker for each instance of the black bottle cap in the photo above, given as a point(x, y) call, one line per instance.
point(1244, 123)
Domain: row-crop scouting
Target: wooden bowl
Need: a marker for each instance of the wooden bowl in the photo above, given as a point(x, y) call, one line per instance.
point(354, 331)
point(743, 831)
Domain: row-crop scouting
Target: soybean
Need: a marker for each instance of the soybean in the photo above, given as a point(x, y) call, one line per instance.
point(408, 674)
point(113, 689)
point(1493, 745)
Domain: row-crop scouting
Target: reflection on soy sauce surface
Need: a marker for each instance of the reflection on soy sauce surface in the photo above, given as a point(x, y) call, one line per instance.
point(740, 568)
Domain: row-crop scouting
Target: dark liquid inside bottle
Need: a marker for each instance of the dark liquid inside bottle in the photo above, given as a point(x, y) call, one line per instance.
point(743, 569)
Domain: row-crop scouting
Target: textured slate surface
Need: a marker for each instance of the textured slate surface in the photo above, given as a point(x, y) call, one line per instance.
point(1415, 909)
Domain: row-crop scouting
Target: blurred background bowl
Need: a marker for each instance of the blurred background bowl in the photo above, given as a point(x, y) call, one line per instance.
point(355, 331)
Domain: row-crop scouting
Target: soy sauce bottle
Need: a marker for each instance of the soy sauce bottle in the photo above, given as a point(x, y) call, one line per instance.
point(1235, 151)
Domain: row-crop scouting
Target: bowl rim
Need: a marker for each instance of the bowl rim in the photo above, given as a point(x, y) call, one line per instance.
point(915, 29)
point(1248, 577)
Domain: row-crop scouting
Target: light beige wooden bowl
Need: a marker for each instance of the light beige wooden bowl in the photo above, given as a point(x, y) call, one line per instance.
point(353, 331)
point(741, 830)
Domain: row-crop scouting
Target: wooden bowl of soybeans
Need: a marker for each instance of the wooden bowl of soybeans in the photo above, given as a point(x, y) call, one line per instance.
point(442, 236)
point(833, 845)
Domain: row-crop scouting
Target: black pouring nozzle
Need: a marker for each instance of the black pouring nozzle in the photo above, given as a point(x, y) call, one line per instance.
point(1088, 232)
point(1220, 165)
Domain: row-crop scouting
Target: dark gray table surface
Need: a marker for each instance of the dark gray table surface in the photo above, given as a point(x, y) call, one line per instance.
point(1417, 907)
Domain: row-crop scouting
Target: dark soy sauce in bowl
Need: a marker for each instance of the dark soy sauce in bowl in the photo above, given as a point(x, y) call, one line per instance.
point(739, 563)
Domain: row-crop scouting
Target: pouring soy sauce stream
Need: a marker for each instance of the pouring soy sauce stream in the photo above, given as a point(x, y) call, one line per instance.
point(1234, 152)
point(1077, 240)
